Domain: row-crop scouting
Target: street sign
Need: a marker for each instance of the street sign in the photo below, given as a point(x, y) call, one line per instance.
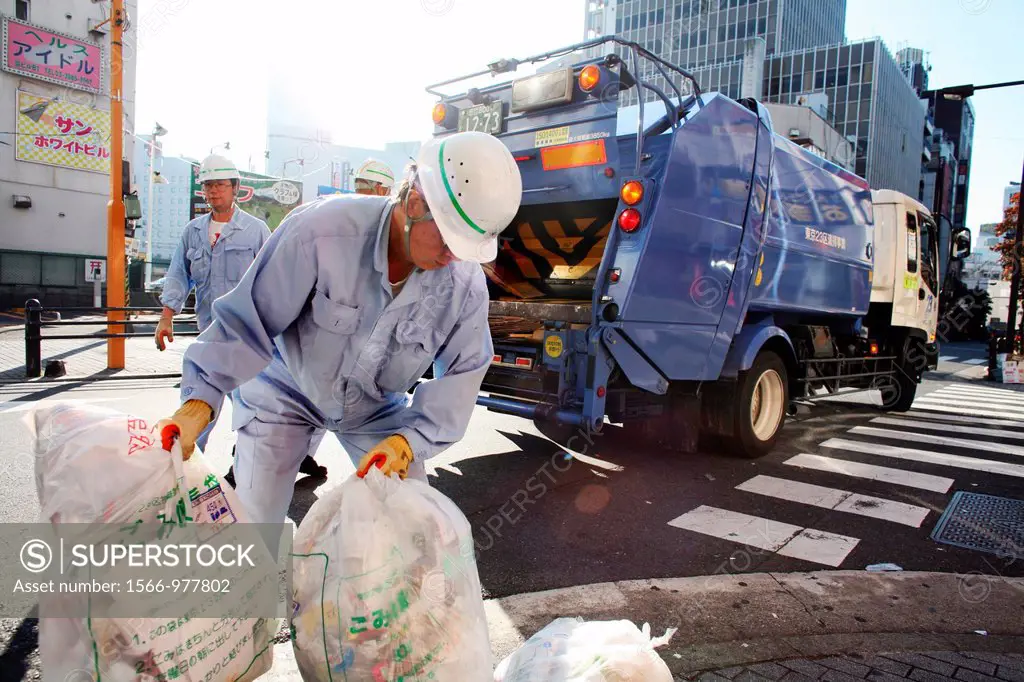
point(95, 270)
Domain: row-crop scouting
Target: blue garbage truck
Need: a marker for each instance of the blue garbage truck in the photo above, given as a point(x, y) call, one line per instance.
point(694, 276)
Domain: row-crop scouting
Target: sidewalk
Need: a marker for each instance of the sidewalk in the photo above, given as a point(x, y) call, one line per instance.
point(88, 357)
point(834, 625)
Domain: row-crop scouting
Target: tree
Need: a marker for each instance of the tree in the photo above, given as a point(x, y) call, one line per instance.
point(1007, 231)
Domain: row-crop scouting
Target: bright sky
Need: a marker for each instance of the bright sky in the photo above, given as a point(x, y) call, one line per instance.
point(360, 68)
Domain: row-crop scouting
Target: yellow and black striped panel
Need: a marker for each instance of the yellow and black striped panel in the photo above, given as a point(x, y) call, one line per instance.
point(553, 250)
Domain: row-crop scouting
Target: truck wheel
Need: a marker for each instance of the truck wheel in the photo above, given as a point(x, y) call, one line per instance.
point(898, 391)
point(761, 397)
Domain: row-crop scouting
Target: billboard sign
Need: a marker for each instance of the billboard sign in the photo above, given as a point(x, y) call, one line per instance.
point(62, 134)
point(35, 52)
point(268, 198)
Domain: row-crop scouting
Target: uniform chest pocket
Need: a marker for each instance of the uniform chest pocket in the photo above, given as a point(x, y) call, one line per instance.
point(199, 264)
point(325, 333)
point(237, 259)
point(412, 348)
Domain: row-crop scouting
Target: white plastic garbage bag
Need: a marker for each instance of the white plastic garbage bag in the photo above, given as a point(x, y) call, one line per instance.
point(572, 650)
point(95, 465)
point(385, 586)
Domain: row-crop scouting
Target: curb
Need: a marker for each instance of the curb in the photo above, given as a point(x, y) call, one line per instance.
point(724, 621)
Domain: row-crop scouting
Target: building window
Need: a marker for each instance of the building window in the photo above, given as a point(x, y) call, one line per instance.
point(21, 9)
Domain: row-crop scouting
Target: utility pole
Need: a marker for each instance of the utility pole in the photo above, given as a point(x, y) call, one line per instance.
point(115, 208)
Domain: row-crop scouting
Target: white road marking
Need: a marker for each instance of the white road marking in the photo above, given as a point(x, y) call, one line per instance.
point(963, 391)
point(921, 438)
point(976, 361)
point(947, 358)
point(941, 407)
point(994, 408)
point(839, 500)
point(926, 456)
point(963, 419)
point(872, 472)
point(786, 539)
point(949, 428)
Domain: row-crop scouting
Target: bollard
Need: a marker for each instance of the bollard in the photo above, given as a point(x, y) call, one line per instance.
point(33, 339)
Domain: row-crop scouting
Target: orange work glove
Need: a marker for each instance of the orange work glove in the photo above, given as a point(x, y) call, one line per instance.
point(187, 424)
point(393, 455)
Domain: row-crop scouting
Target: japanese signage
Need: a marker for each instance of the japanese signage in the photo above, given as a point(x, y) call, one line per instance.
point(268, 198)
point(95, 270)
point(33, 51)
point(62, 134)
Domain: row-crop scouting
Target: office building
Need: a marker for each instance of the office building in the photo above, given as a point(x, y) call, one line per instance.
point(709, 37)
point(171, 201)
point(55, 155)
point(869, 101)
point(956, 119)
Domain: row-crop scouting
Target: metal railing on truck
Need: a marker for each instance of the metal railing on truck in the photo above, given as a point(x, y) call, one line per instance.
point(34, 337)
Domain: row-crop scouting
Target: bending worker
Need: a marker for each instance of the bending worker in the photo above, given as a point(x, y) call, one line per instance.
point(372, 178)
point(345, 308)
point(214, 252)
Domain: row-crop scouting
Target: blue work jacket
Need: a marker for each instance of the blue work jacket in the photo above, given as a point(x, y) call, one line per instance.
point(317, 303)
point(212, 271)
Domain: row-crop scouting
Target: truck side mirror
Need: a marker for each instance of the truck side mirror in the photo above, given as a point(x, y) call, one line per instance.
point(961, 244)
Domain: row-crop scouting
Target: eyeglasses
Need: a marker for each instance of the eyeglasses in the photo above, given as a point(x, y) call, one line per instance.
point(216, 184)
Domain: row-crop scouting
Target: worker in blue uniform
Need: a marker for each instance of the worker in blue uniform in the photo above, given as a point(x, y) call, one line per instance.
point(214, 252)
point(342, 312)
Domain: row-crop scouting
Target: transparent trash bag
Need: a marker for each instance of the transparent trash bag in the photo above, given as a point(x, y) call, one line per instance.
point(574, 650)
point(385, 587)
point(101, 466)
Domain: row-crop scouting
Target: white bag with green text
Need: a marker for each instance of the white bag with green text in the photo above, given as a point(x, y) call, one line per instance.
point(385, 587)
point(103, 467)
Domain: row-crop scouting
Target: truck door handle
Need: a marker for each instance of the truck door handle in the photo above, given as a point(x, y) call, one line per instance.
point(867, 250)
point(920, 294)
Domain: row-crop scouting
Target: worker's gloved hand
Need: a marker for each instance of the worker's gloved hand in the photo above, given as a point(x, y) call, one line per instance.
point(186, 424)
point(164, 329)
point(393, 455)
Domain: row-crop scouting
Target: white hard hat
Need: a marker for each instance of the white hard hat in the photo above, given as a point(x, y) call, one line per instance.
point(473, 190)
point(376, 171)
point(216, 167)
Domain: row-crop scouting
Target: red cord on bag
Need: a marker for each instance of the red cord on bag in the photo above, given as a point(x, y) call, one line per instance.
point(167, 436)
point(379, 459)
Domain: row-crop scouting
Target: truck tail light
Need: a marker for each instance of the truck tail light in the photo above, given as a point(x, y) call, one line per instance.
point(590, 76)
point(439, 114)
point(629, 220)
point(524, 362)
point(632, 192)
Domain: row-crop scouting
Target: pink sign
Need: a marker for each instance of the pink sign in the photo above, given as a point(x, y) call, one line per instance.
point(33, 51)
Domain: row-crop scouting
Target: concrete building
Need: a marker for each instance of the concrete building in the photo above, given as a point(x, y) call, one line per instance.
point(1008, 192)
point(956, 118)
point(983, 270)
point(807, 127)
point(171, 201)
point(869, 101)
point(54, 160)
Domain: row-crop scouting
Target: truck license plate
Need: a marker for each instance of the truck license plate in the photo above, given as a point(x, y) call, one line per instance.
point(485, 118)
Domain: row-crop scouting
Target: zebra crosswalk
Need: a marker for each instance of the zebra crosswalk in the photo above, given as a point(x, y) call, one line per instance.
point(955, 431)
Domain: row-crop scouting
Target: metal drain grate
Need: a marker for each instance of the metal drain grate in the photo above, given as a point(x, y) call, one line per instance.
point(984, 523)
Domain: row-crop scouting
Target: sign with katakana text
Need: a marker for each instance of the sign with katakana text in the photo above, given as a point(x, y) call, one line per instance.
point(62, 134)
point(35, 52)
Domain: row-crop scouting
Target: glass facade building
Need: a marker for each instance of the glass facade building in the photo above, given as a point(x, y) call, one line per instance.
point(870, 102)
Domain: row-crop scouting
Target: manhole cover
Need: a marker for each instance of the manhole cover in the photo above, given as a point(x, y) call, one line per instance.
point(984, 523)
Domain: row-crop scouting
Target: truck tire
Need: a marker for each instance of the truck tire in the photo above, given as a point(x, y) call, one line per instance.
point(898, 391)
point(760, 399)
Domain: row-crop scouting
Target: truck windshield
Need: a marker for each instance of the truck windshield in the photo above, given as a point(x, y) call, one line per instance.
point(929, 251)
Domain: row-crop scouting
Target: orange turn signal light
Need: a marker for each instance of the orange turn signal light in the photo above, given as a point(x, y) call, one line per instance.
point(632, 192)
point(590, 76)
point(439, 113)
point(629, 220)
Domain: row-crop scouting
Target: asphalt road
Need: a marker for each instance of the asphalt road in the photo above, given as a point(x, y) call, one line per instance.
point(616, 510)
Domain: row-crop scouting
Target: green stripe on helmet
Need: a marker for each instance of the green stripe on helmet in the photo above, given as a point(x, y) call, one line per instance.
point(451, 195)
point(368, 170)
